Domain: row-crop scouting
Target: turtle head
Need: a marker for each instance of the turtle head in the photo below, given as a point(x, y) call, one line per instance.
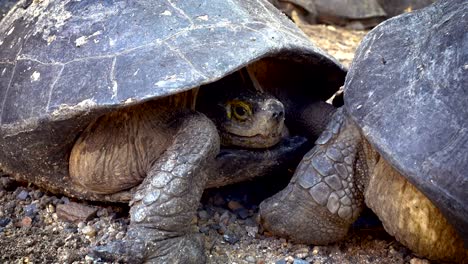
point(252, 122)
point(244, 117)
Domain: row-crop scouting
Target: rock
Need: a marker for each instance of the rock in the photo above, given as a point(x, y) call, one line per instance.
point(224, 218)
point(315, 250)
point(205, 229)
point(419, 261)
point(51, 208)
point(89, 231)
point(281, 261)
point(37, 194)
point(23, 195)
point(252, 231)
point(230, 238)
point(250, 259)
point(25, 222)
point(31, 210)
point(4, 221)
point(242, 213)
point(203, 215)
point(120, 235)
point(300, 261)
point(81, 225)
point(234, 205)
point(75, 212)
point(103, 212)
point(64, 200)
point(301, 253)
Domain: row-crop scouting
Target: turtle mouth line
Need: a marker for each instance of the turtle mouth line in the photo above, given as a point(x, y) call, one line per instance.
point(256, 136)
point(257, 141)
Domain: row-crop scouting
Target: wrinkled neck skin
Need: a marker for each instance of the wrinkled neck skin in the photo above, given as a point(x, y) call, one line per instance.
point(311, 119)
point(370, 156)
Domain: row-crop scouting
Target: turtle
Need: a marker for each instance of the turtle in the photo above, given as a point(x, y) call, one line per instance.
point(399, 144)
point(355, 14)
point(395, 7)
point(136, 102)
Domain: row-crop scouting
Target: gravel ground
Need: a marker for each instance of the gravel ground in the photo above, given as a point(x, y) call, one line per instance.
point(35, 228)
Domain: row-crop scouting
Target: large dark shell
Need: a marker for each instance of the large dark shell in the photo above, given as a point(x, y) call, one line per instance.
point(408, 91)
point(63, 63)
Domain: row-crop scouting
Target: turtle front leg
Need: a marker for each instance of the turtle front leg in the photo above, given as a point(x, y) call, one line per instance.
point(166, 201)
point(325, 195)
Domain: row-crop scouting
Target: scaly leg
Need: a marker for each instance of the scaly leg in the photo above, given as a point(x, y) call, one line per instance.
point(325, 195)
point(166, 201)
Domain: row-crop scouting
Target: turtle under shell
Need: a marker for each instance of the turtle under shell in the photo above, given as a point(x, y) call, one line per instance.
point(64, 63)
point(417, 119)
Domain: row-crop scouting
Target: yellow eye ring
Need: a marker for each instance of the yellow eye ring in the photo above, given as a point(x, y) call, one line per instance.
point(239, 109)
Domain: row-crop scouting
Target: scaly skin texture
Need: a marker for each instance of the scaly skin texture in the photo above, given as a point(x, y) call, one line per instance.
point(325, 191)
point(327, 194)
point(166, 201)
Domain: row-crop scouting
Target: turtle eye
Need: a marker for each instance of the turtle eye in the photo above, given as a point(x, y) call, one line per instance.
point(240, 110)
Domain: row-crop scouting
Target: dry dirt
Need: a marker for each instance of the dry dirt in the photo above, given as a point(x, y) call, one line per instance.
point(31, 231)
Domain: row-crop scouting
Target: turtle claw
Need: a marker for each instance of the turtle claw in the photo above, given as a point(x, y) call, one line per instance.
point(122, 251)
point(184, 249)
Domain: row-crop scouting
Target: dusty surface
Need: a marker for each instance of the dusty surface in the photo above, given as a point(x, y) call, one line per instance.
point(339, 42)
point(31, 230)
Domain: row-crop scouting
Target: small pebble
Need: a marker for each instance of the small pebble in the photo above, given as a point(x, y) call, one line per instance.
point(37, 194)
point(230, 238)
point(75, 212)
point(281, 261)
point(50, 208)
point(205, 229)
point(26, 222)
point(89, 231)
point(242, 213)
point(4, 222)
point(103, 212)
point(203, 215)
point(81, 225)
point(302, 253)
point(65, 200)
point(315, 250)
point(224, 218)
point(250, 259)
point(31, 210)
point(234, 205)
point(120, 235)
point(251, 230)
point(23, 195)
point(289, 259)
